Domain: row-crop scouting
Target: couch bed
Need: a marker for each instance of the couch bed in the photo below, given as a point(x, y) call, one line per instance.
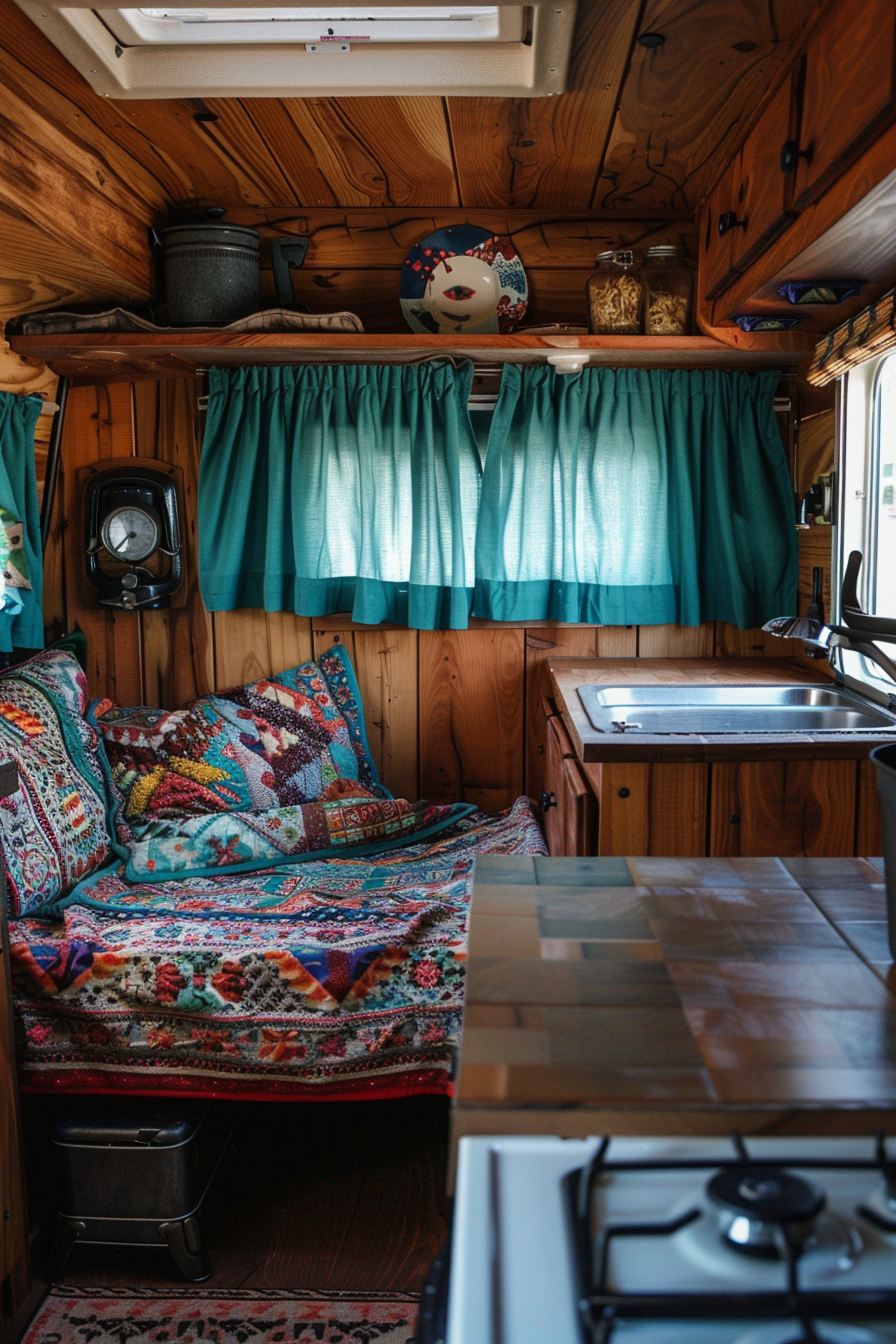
point(309, 977)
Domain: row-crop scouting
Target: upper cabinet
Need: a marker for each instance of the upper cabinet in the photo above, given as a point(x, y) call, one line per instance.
point(791, 175)
point(845, 101)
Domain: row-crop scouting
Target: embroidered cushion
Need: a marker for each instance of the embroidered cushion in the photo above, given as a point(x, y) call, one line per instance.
point(206, 843)
point(278, 742)
point(53, 828)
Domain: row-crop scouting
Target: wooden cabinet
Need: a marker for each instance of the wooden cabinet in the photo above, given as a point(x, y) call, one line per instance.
point(569, 806)
point(717, 270)
point(765, 192)
point(14, 1278)
point(760, 808)
point(845, 102)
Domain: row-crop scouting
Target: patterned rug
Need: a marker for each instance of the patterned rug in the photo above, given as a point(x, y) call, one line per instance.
point(197, 1316)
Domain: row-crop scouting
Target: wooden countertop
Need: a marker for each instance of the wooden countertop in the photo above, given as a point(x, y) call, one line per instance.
point(683, 996)
point(567, 674)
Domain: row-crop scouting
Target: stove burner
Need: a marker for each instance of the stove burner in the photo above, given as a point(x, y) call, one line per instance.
point(761, 1207)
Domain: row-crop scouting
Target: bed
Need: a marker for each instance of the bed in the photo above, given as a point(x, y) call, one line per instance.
point(331, 979)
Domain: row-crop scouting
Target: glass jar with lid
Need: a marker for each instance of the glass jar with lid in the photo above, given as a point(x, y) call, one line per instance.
point(667, 284)
point(615, 296)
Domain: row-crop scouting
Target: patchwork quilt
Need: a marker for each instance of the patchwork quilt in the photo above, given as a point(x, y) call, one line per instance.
point(329, 978)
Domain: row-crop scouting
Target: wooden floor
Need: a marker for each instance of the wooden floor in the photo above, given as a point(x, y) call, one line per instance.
point(326, 1196)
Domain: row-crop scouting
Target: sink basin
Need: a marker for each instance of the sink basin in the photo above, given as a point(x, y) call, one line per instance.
point(731, 709)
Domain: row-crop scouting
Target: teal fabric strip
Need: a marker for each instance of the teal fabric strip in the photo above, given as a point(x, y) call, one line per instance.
point(24, 626)
point(632, 496)
point(329, 488)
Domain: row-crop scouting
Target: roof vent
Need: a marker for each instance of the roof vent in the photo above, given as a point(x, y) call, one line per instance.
point(245, 49)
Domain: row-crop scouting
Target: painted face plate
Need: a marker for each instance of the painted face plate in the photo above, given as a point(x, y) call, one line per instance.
point(463, 280)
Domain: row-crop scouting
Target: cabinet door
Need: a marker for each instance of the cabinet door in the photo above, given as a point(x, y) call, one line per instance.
point(764, 190)
point(717, 270)
point(849, 91)
point(647, 808)
point(784, 808)
point(569, 806)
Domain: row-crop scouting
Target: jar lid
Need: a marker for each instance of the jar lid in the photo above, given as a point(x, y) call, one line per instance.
point(665, 250)
point(604, 257)
point(624, 258)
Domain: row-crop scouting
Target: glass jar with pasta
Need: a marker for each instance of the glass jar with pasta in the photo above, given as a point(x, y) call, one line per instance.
point(615, 296)
point(667, 304)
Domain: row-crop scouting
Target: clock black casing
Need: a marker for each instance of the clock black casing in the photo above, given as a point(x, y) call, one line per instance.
point(120, 583)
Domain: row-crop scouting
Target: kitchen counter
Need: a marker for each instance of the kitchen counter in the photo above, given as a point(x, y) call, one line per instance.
point(567, 674)
point(677, 996)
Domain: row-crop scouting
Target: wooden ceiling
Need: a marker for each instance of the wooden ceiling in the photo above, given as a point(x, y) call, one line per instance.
point(639, 131)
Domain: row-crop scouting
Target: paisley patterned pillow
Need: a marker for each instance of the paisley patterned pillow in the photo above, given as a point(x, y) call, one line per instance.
point(53, 828)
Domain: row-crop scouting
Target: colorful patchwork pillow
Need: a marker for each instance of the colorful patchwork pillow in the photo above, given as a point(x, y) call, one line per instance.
point(278, 742)
point(53, 828)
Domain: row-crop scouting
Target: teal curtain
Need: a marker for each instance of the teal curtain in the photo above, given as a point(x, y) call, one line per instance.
point(635, 497)
point(21, 605)
point(329, 488)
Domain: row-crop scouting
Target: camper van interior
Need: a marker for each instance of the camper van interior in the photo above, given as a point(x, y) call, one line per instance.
point(448, 691)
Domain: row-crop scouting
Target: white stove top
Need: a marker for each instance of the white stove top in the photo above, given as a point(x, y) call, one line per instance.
point(513, 1278)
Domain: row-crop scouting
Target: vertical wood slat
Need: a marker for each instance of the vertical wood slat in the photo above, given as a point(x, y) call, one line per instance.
point(251, 644)
point(647, 808)
point(178, 663)
point(98, 424)
point(385, 663)
point(676, 641)
point(471, 716)
point(869, 824)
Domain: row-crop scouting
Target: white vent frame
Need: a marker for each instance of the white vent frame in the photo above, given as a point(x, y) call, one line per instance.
point(532, 68)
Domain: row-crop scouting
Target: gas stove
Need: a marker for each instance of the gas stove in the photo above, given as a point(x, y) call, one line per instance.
point(672, 1241)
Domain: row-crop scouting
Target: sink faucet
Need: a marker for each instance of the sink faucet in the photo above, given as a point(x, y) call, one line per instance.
point(860, 631)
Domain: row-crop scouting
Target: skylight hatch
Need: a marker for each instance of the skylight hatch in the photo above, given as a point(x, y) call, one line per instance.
point(250, 50)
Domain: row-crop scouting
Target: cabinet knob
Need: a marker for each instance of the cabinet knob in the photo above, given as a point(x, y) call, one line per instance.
point(548, 800)
point(729, 221)
point(734, 819)
point(791, 155)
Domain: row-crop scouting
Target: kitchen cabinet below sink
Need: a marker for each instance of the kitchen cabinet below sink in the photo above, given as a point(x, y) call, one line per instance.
point(727, 795)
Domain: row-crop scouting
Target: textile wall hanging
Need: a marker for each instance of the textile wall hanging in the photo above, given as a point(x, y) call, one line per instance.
point(869, 333)
point(328, 488)
point(635, 497)
point(21, 554)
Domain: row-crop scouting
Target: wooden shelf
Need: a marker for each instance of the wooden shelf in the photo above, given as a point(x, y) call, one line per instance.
point(89, 357)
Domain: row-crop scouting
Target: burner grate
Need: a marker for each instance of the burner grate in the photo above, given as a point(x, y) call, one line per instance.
point(601, 1309)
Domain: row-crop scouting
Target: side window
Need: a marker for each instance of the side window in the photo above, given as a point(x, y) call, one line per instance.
point(882, 495)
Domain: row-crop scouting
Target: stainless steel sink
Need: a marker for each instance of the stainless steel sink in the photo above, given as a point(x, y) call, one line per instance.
point(731, 709)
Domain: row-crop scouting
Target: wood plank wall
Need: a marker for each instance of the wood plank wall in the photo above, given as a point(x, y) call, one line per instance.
point(453, 714)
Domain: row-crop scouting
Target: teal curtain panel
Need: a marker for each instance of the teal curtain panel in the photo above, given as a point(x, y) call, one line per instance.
point(21, 553)
point(635, 497)
point(327, 488)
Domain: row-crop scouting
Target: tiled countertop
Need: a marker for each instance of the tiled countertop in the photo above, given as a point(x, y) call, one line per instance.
point(612, 995)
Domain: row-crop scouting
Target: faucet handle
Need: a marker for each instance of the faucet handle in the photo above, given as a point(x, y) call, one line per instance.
point(850, 611)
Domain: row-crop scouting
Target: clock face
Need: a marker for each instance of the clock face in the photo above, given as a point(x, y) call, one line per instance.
point(131, 532)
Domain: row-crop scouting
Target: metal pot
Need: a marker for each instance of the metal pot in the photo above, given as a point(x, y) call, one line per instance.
point(211, 272)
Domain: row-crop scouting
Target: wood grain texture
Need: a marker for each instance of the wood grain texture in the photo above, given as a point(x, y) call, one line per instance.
point(552, 642)
point(471, 716)
point(676, 641)
point(783, 807)
point(250, 644)
point(647, 808)
point(713, 82)
point(869, 824)
point(99, 424)
point(385, 663)
point(522, 150)
point(177, 644)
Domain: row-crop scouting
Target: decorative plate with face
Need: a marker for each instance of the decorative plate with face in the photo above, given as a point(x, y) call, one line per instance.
point(463, 279)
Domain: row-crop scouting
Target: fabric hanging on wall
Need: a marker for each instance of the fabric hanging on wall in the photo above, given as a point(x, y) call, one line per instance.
point(327, 488)
point(21, 588)
point(636, 497)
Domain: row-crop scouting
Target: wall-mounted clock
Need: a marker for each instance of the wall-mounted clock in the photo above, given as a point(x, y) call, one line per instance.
point(133, 542)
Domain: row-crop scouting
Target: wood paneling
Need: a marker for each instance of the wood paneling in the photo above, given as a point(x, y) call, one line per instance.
point(98, 424)
point(547, 150)
point(675, 641)
point(783, 808)
point(385, 661)
point(869, 826)
point(685, 104)
point(471, 716)
point(250, 644)
point(647, 808)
